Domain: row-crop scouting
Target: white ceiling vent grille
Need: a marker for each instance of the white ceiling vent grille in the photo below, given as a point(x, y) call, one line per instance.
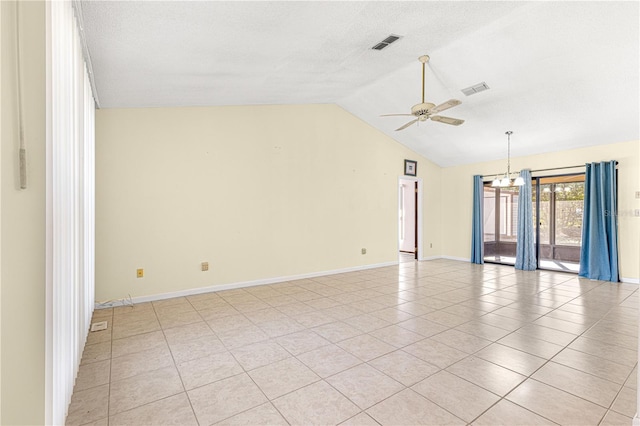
point(471, 90)
point(386, 42)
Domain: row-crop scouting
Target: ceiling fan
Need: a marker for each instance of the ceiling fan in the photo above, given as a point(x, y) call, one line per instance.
point(426, 110)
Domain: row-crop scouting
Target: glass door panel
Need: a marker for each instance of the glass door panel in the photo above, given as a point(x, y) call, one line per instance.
point(560, 224)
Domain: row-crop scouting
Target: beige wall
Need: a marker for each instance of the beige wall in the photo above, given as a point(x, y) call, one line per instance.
point(457, 197)
point(22, 220)
point(259, 192)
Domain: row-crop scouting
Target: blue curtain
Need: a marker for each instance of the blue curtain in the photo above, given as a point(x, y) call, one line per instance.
point(599, 252)
point(477, 237)
point(525, 244)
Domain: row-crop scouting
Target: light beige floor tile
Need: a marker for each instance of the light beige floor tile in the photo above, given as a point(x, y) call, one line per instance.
point(612, 337)
point(131, 328)
point(556, 405)
point(96, 352)
point(499, 321)
point(531, 345)
point(218, 312)
point(282, 377)
point(445, 318)
point(281, 327)
point(265, 315)
point(366, 347)
point(410, 408)
point(366, 322)
point(391, 315)
point(317, 360)
point(423, 326)
point(242, 336)
point(626, 402)
point(397, 336)
point(513, 359)
point(184, 333)
point(202, 371)
point(482, 330)
point(179, 318)
point(435, 353)
point(605, 350)
point(316, 404)
point(364, 385)
point(140, 362)
point(88, 405)
point(196, 348)
point(562, 325)
point(361, 419)
point(460, 397)
point(490, 376)
point(461, 341)
point(592, 364)
point(615, 419)
point(92, 375)
point(576, 382)
point(337, 331)
point(264, 414)
point(229, 323)
point(147, 387)
point(225, 398)
point(101, 336)
point(403, 367)
point(259, 354)
point(506, 413)
point(301, 342)
point(174, 410)
point(138, 343)
point(547, 334)
point(173, 301)
point(173, 309)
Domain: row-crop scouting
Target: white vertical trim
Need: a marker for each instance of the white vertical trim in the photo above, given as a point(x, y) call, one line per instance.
point(70, 207)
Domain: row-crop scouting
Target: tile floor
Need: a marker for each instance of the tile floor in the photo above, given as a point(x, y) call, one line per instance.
point(435, 342)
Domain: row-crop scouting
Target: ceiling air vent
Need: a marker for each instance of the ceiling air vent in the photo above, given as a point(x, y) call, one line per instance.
point(471, 90)
point(386, 42)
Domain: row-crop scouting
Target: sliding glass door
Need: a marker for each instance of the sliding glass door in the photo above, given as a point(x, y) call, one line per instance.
point(557, 206)
point(500, 224)
point(560, 224)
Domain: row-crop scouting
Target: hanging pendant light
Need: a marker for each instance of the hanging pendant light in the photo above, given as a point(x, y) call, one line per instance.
point(506, 179)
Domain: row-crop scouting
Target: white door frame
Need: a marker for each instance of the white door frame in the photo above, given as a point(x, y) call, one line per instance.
point(419, 221)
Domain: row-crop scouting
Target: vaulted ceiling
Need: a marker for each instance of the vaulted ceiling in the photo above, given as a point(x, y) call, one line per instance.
point(561, 75)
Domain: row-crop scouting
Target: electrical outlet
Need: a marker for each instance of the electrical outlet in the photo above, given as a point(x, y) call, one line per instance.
point(364, 251)
point(430, 245)
point(637, 194)
point(140, 273)
point(204, 266)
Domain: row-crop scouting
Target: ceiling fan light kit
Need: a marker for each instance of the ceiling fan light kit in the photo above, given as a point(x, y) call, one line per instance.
point(425, 110)
point(506, 180)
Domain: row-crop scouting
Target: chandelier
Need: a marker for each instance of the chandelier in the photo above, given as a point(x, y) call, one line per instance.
point(506, 179)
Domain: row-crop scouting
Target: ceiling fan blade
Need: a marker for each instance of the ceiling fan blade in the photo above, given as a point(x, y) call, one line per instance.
point(447, 120)
point(449, 104)
point(393, 115)
point(407, 125)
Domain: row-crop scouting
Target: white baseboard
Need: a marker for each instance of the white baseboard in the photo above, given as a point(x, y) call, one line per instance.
point(462, 259)
point(231, 286)
point(630, 280)
point(636, 420)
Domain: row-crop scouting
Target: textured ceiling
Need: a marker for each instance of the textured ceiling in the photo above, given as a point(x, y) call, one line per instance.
point(561, 74)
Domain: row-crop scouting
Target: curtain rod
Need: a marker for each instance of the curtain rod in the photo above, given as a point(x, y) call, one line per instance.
point(543, 170)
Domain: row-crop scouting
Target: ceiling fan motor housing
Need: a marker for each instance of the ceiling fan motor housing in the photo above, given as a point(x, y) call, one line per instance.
point(422, 109)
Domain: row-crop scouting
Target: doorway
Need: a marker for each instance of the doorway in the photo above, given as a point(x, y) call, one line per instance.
point(408, 219)
point(557, 215)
